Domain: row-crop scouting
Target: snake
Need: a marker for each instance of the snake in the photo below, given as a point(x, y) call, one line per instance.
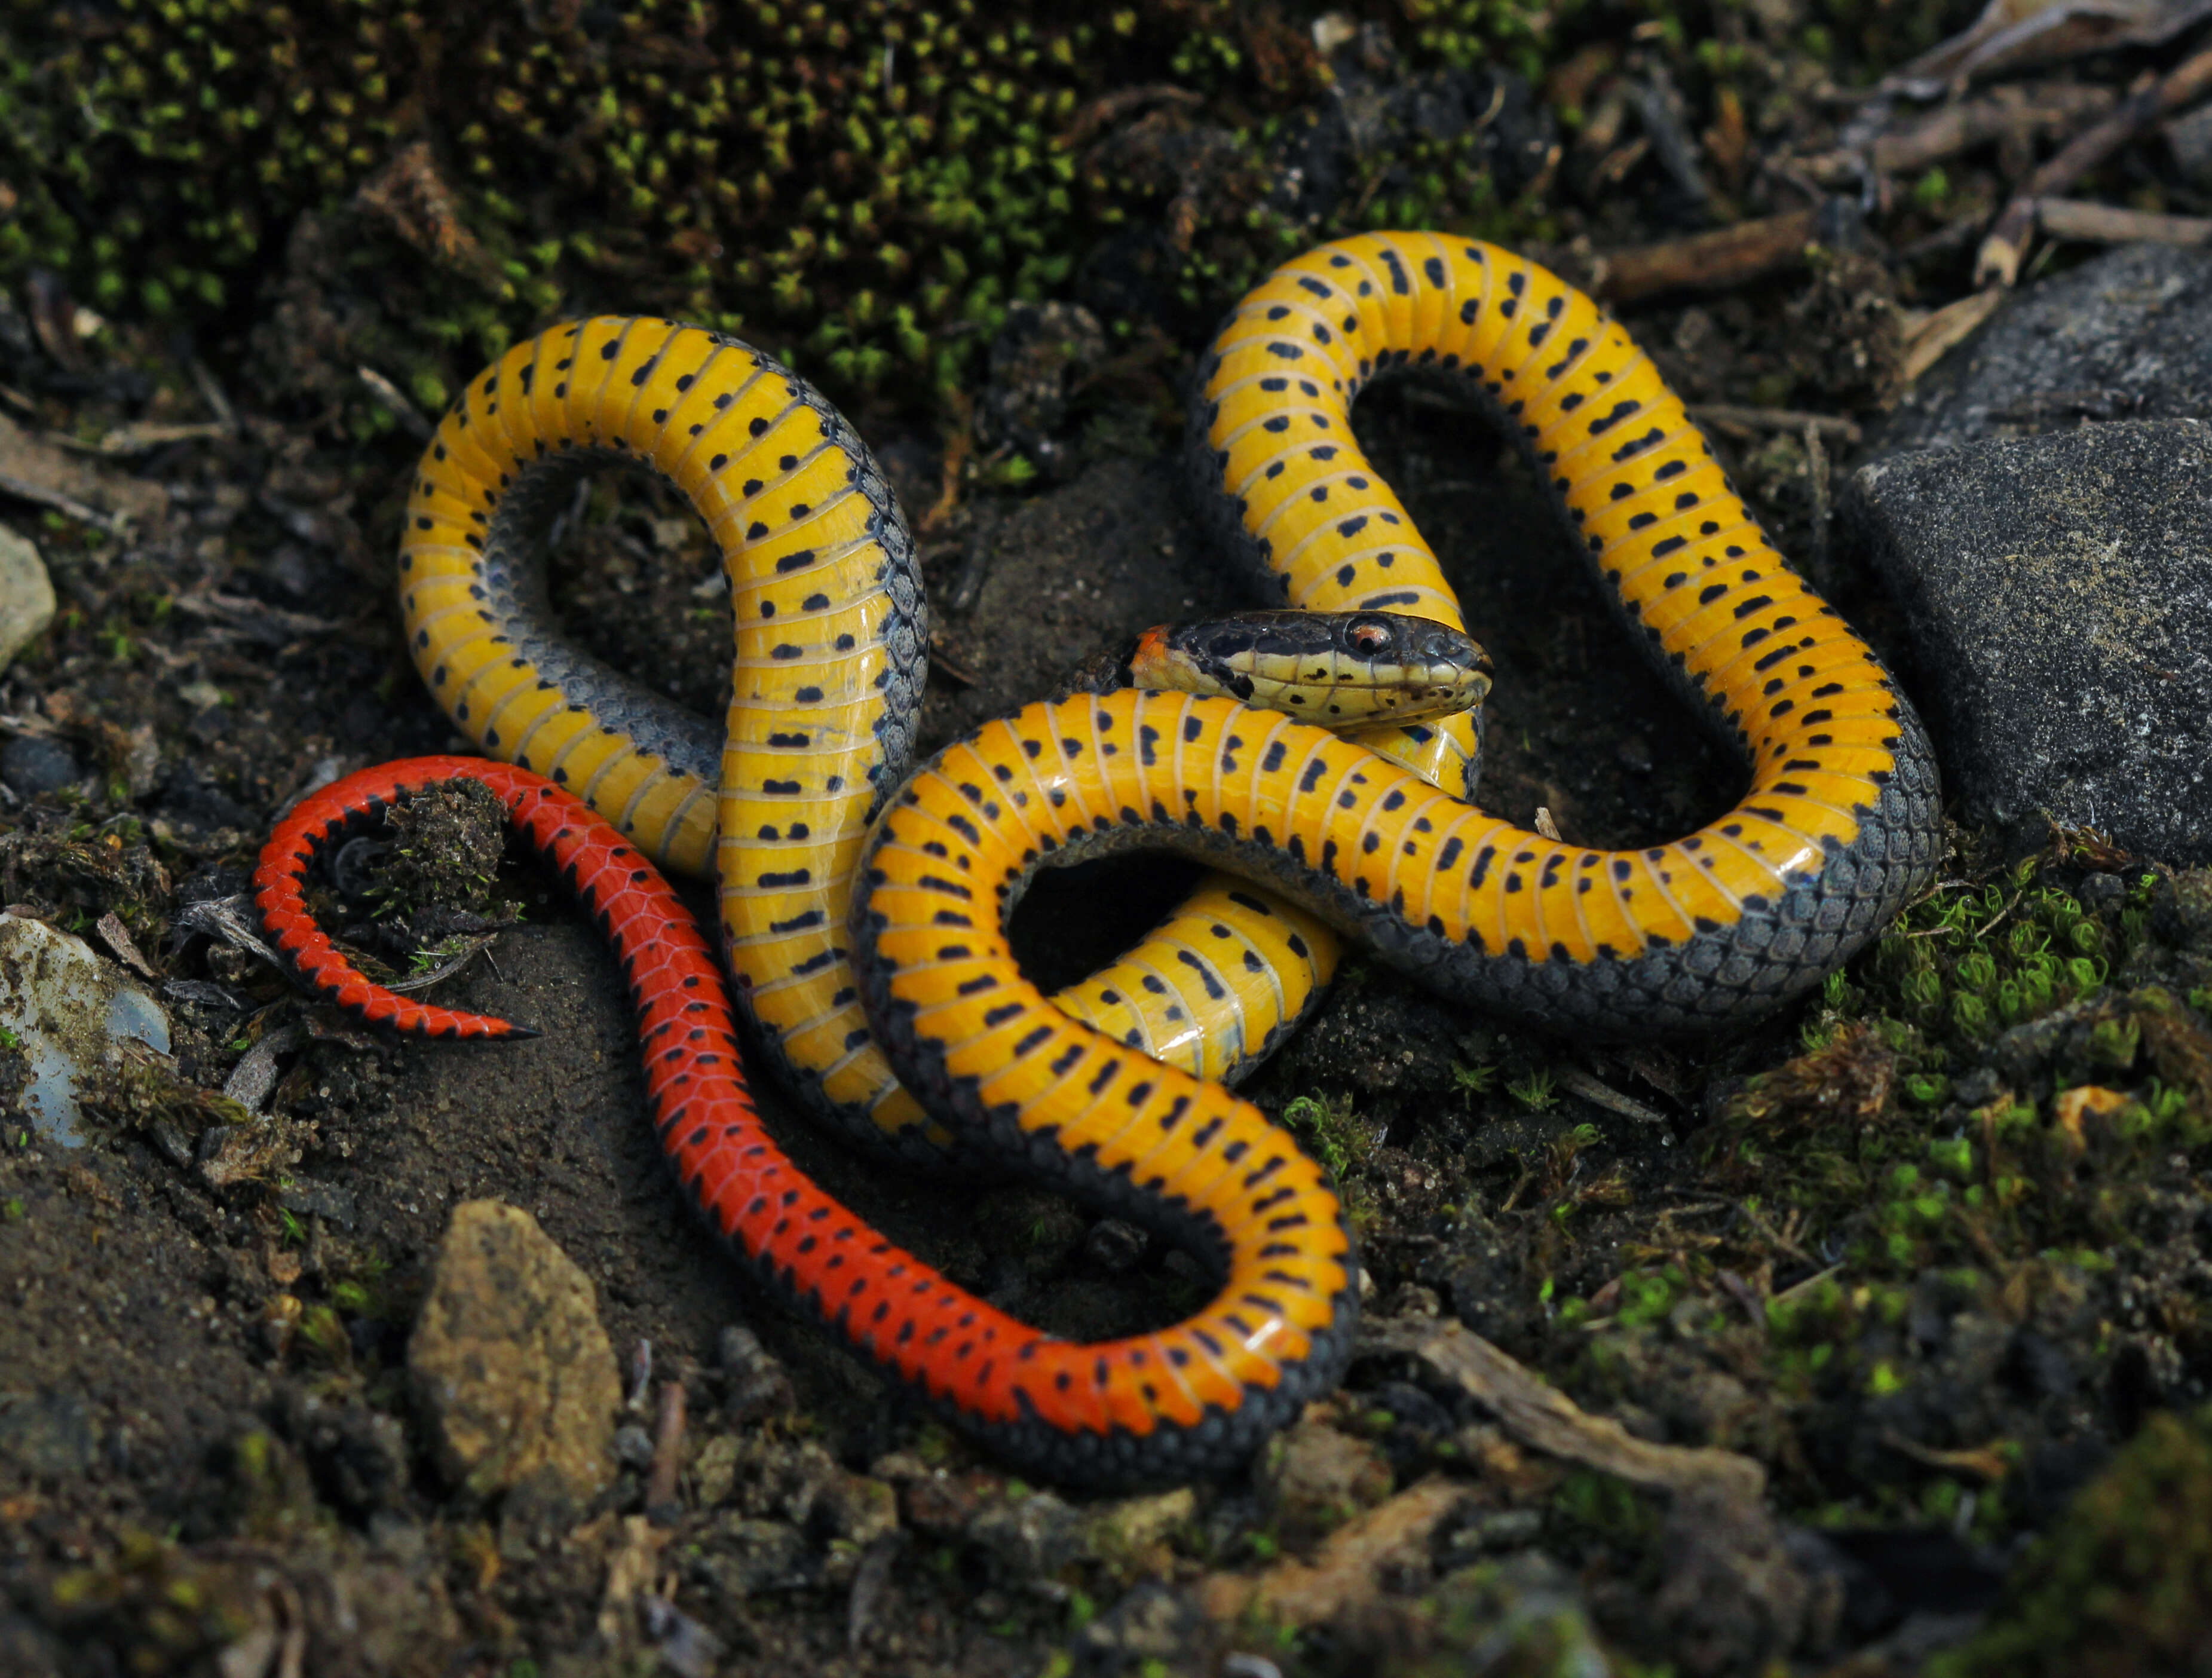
point(864, 913)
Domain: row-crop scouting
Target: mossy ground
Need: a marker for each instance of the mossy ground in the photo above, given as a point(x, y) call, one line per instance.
point(1928, 1245)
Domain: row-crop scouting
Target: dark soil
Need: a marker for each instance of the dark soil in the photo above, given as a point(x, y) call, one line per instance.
point(1764, 1243)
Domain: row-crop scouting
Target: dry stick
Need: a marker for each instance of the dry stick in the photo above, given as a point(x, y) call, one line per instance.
point(1706, 261)
point(24, 489)
point(1728, 415)
point(2011, 113)
point(2108, 224)
point(661, 1500)
point(1998, 263)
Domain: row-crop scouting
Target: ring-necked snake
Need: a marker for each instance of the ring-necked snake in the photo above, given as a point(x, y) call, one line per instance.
point(1839, 826)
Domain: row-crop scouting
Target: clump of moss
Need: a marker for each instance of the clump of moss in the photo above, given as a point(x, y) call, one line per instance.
point(2122, 1586)
point(154, 1606)
point(863, 188)
point(445, 850)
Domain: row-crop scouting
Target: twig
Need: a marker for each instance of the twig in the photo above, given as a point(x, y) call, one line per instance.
point(117, 937)
point(2013, 115)
point(959, 444)
point(211, 392)
point(938, 660)
point(1540, 1416)
point(478, 944)
point(974, 566)
point(2108, 224)
point(1937, 334)
point(239, 608)
point(1942, 243)
point(23, 489)
point(1706, 261)
point(394, 401)
point(137, 439)
point(1998, 263)
point(1659, 106)
point(255, 1075)
point(1577, 1082)
point(2011, 36)
point(1775, 419)
point(660, 1502)
point(1816, 463)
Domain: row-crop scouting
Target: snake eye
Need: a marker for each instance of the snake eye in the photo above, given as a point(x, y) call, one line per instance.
point(1368, 636)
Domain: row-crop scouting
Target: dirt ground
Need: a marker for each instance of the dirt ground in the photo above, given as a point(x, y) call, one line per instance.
point(206, 1433)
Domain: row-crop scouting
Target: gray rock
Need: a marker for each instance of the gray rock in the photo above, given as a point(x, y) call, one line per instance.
point(48, 1436)
point(26, 595)
point(1312, 1478)
point(2059, 591)
point(1028, 1539)
point(755, 1384)
point(1734, 1598)
point(1152, 1626)
point(2189, 139)
point(70, 1014)
point(749, 1558)
point(32, 765)
point(2128, 335)
point(324, 1200)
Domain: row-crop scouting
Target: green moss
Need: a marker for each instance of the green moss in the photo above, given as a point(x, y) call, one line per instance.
point(861, 187)
point(1331, 1131)
point(2122, 1584)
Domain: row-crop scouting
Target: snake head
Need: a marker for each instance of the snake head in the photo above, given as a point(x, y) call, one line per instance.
point(1340, 669)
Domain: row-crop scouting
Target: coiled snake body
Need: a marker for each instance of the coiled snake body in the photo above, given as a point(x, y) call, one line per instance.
point(1839, 826)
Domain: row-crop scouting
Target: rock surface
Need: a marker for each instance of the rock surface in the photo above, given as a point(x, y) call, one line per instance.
point(69, 1013)
point(26, 595)
point(1313, 1478)
point(35, 763)
point(2059, 591)
point(2128, 335)
point(511, 1370)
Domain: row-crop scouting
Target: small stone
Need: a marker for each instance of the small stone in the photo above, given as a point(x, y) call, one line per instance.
point(1490, 1531)
point(1977, 1087)
point(1312, 1478)
point(2101, 891)
point(854, 1509)
point(714, 1470)
point(1129, 1535)
point(942, 1504)
point(1151, 1627)
point(357, 1454)
point(755, 1384)
point(1734, 1598)
point(35, 763)
point(1114, 1246)
point(26, 597)
point(48, 1436)
point(633, 1446)
point(2189, 139)
point(326, 1201)
point(70, 1014)
point(746, 1558)
point(2058, 590)
point(2125, 335)
point(1028, 1539)
point(509, 1366)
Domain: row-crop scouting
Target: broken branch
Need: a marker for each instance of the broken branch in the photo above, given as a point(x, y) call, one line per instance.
point(1712, 261)
point(1998, 263)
